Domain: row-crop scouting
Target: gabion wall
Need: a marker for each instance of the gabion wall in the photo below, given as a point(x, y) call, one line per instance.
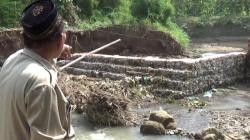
point(175, 77)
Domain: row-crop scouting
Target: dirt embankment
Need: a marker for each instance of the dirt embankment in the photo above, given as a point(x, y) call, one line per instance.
point(10, 41)
point(135, 41)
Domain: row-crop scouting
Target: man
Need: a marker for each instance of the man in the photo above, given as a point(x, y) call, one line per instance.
point(32, 106)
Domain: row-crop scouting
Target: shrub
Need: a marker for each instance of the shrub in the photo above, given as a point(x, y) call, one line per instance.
point(154, 10)
point(86, 7)
point(10, 13)
point(68, 10)
point(108, 5)
point(208, 8)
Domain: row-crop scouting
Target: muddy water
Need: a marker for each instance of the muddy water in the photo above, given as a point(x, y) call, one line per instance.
point(85, 131)
point(225, 99)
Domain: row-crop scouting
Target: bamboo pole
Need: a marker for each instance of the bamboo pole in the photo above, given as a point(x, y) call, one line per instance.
point(92, 52)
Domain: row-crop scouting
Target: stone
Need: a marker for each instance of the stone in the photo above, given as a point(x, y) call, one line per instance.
point(247, 130)
point(212, 134)
point(152, 128)
point(171, 132)
point(210, 137)
point(164, 118)
point(178, 131)
point(197, 136)
point(171, 125)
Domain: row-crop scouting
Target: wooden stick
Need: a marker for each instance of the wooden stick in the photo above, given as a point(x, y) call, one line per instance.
point(92, 52)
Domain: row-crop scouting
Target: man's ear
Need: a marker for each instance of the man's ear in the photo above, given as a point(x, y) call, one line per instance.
point(60, 41)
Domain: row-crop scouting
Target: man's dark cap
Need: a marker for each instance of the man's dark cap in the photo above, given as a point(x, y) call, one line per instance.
point(40, 19)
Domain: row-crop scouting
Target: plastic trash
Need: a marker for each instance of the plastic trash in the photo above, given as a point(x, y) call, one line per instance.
point(208, 94)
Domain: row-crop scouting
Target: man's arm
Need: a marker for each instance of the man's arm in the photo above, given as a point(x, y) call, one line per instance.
point(66, 52)
point(43, 114)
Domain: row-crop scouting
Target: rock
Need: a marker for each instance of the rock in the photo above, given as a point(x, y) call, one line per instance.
point(247, 130)
point(212, 134)
point(210, 137)
point(178, 131)
point(152, 128)
point(80, 109)
point(164, 118)
point(171, 132)
point(214, 90)
point(197, 136)
point(237, 108)
point(171, 125)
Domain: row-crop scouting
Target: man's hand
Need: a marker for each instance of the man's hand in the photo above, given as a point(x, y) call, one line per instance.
point(66, 52)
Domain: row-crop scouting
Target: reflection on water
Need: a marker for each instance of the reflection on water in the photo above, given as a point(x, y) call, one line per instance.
point(85, 131)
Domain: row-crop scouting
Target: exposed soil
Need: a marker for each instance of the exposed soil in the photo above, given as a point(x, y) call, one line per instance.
point(10, 42)
point(139, 41)
point(135, 41)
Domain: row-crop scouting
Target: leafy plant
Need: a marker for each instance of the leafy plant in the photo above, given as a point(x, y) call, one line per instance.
point(10, 12)
point(154, 10)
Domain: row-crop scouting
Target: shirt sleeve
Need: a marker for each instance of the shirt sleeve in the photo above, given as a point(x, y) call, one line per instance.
point(43, 114)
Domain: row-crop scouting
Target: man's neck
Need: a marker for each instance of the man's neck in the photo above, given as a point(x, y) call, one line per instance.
point(44, 53)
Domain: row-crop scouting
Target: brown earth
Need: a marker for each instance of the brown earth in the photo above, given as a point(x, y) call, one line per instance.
point(10, 42)
point(135, 41)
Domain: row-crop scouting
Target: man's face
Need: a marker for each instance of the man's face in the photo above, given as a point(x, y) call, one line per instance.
point(61, 42)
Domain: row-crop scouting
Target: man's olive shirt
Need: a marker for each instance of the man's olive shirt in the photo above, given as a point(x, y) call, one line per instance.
point(32, 106)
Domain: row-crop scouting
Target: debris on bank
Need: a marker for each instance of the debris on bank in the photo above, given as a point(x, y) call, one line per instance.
point(194, 102)
point(105, 102)
point(105, 109)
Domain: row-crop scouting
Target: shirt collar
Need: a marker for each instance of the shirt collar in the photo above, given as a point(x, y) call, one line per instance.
point(49, 66)
point(45, 63)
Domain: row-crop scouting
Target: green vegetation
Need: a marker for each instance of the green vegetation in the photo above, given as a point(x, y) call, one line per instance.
point(208, 8)
point(158, 14)
point(9, 18)
point(199, 16)
point(91, 14)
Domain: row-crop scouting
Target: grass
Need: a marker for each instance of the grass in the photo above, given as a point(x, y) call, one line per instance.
point(122, 16)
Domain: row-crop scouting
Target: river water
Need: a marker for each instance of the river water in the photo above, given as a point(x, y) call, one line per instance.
point(85, 131)
point(225, 99)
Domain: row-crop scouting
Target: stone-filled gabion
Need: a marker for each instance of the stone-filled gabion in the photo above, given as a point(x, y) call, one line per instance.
point(166, 77)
